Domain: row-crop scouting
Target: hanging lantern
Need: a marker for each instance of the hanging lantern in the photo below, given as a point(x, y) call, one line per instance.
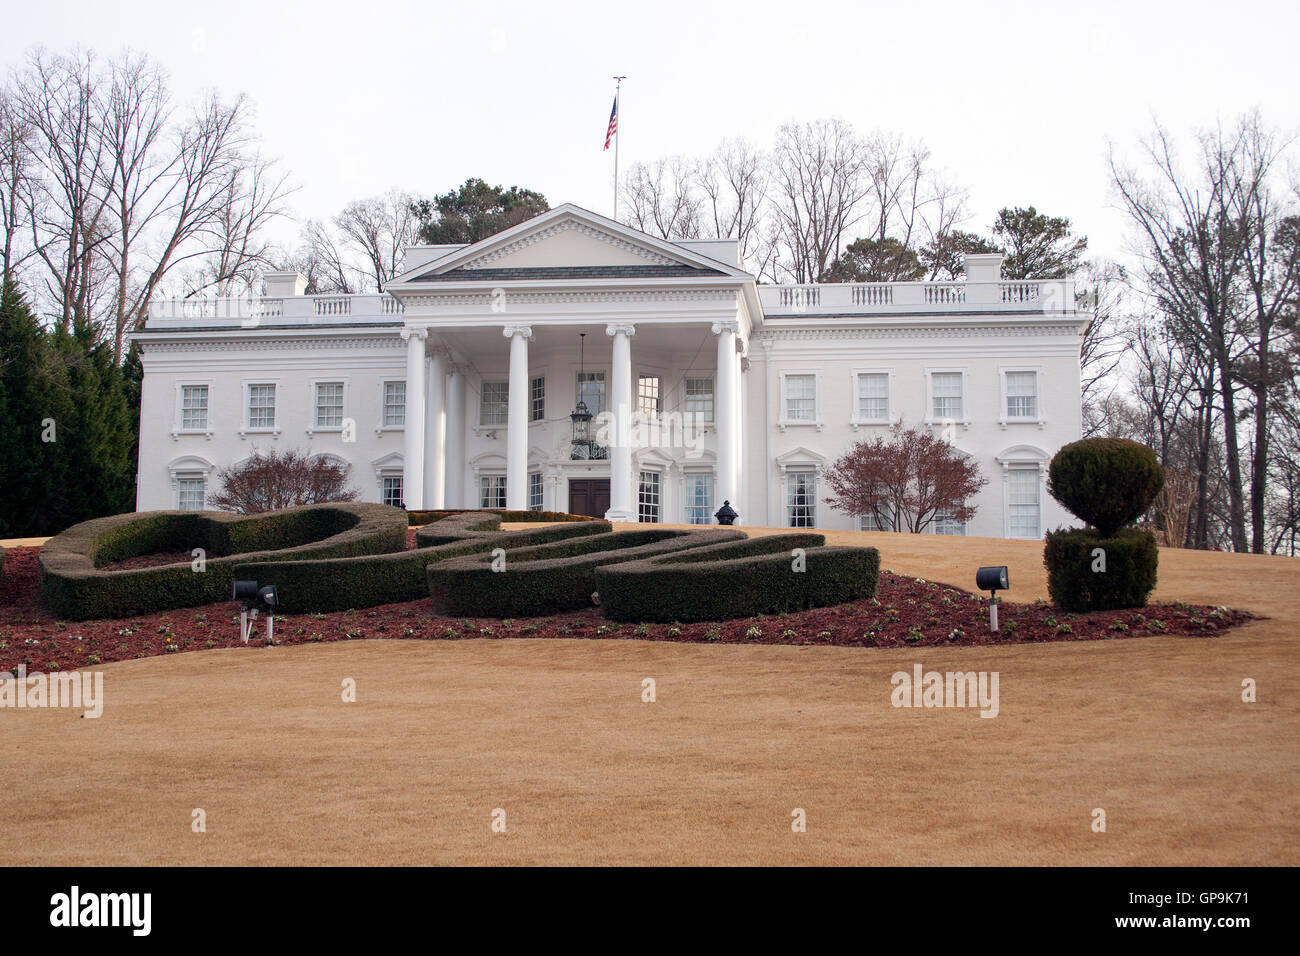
point(584, 448)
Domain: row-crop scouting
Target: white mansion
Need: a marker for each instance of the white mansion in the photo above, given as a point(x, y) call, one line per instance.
point(457, 386)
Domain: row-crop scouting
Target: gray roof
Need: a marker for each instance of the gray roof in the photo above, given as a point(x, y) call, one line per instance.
point(571, 272)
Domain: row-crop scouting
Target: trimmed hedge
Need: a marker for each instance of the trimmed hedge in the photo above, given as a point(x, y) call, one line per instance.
point(2, 562)
point(1130, 562)
point(74, 588)
point(1107, 482)
point(737, 579)
point(550, 578)
point(417, 518)
point(339, 584)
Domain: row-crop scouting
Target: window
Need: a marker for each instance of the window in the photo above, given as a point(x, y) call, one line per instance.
point(945, 523)
point(261, 406)
point(648, 402)
point(873, 396)
point(1023, 503)
point(648, 497)
point(699, 499)
point(801, 398)
point(535, 492)
point(329, 404)
point(537, 399)
point(699, 398)
point(870, 523)
point(1022, 395)
point(394, 404)
point(191, 494)
point(390, 491)
point(591, 390)
point(946, 394)
point(801, 499)
point(194, 408)
point(492, 491)
point(495, 405)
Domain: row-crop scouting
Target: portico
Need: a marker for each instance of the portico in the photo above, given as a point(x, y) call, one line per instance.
point(665, 328)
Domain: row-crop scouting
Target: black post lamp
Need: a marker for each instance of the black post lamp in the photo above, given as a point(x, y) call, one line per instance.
point(253, 599)
point(726, 514)
point(992, 580)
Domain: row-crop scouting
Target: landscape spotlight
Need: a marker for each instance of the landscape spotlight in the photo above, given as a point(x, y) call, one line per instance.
point(993, 580)
point(253, 599)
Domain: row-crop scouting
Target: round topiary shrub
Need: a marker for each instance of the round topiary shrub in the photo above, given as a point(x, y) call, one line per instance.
point(1087, 571)
point(1106, 482)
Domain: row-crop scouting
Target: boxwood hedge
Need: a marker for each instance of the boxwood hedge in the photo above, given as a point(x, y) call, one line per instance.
point(1081, 579)
point(738, 579)
point(549, 578)
point(426, 517)
point(338, 584)
point(74, 586)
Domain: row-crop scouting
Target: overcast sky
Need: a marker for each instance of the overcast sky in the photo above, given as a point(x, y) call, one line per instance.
point(1016, 100)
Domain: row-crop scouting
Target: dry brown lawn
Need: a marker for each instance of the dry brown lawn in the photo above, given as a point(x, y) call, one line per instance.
point(1152, 730)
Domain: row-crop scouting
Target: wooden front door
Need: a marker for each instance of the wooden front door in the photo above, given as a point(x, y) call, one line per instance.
point(589, 496)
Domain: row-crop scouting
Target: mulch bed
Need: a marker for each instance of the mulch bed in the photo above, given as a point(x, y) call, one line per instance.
point(906, 612)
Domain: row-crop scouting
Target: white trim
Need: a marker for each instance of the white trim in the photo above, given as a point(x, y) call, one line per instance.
point(245, 428)
point(1003, 418)
point(380, 427)
point(783, 422)
point(178, 415)
point(930, 371)
point(312, 428)
point(892, 415)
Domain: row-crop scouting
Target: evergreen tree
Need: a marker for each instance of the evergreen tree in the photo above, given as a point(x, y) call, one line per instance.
point(34, 410)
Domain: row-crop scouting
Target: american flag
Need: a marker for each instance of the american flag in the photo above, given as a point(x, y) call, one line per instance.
point(613, 123)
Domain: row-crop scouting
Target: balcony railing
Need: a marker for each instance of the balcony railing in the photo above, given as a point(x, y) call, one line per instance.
point(251, 312)
point(883, 298)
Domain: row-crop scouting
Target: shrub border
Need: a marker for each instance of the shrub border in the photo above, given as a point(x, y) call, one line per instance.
point(340, 584)
point(737, 579)
point(74, 588)
point(554, 577)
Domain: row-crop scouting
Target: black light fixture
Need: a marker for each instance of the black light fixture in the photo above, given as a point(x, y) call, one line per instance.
point(253, 600)
point(584, 448)
point(726, 514)
point(993, 580)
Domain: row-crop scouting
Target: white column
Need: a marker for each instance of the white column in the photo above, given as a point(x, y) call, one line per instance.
point(454, 473)
point(726, 408)
point(739, 419)
point(413, 445)
point(622, 500)
point(517, 421)
point(435, 432)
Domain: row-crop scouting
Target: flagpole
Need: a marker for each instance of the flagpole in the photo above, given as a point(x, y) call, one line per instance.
point(618, 88)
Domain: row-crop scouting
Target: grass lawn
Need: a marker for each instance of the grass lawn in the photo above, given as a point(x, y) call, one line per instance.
point(555, 732)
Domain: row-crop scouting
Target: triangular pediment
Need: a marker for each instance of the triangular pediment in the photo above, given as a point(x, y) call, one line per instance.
point(568, 243)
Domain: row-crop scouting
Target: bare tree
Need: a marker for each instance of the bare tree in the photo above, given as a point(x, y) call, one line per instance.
point(1194, 258)
point(734, 180)
point(236, 238)
point(268, 482)
point(15, 163)
point(905, 480)
point(57, 100)
point(820, 179)
point(378, 230)
point(1107, 339)
point(660, 199)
